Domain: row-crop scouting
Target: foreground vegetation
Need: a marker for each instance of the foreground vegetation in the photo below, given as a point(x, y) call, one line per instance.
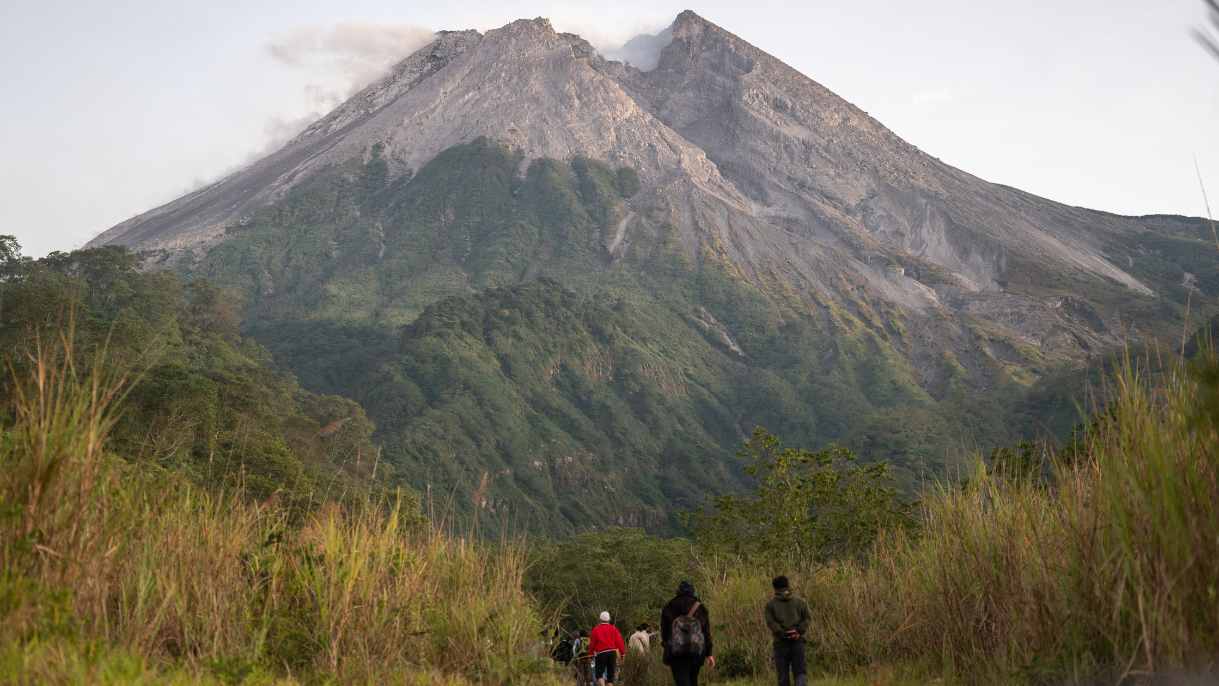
point(1095, 562)
point(119, 571)
point(115, 571)
point(1101, 565)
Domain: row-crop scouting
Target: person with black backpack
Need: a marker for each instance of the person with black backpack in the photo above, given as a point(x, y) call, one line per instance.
point(563, 650)
point(685, 633)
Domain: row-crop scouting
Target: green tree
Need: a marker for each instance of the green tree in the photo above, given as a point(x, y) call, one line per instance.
point(10, 252)
point(807, 505)
point(213, 309)
point(625, 571)
point(10, 263)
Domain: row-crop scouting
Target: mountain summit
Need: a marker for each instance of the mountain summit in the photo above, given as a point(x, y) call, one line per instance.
point(524, 85)
point(769, 162)
point(685, 250)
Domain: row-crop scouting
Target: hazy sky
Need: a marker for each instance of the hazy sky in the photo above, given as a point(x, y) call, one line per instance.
point(111, 107)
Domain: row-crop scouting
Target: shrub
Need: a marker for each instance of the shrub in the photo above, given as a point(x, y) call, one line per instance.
point(806, 505)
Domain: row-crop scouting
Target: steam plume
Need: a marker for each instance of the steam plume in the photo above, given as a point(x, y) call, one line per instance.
point(340, 60)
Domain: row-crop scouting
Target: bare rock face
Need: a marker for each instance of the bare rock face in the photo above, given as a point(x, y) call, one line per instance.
point(751, 162)
point(804, 154)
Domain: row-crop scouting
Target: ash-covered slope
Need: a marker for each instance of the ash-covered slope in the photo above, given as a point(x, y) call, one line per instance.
point(809, 158)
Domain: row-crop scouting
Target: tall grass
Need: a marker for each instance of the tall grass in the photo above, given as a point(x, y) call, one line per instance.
point(113, 571)
point(109, 567)
point(1107, 570)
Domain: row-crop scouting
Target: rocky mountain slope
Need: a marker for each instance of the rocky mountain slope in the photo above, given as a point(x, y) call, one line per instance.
point(798, 264)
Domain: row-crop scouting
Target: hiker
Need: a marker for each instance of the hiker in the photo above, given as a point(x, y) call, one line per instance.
point(788, 618)
point(582, 661)
point(641, 641)
point(579, 645)
point(685, 634)
point(605, 644)
point(638, 647)
point(563, 650)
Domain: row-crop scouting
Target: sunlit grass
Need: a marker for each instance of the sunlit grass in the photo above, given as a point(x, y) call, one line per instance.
point(1108, 568)
point(115, 572)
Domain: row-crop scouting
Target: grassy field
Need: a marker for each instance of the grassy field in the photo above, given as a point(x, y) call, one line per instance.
point(1099, 564)
point(118, 572)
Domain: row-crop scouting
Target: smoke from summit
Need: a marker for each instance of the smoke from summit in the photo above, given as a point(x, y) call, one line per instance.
point(339, 60)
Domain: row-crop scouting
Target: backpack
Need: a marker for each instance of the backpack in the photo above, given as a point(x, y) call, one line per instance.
point(686, 639)
point(563, 652)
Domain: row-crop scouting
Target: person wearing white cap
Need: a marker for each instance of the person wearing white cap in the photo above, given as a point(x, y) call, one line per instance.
point(606, 644)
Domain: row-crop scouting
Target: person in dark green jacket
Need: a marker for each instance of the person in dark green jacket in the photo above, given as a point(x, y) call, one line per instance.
point(788, 618)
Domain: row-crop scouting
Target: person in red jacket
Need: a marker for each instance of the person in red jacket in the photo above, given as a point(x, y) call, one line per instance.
point(607, 647)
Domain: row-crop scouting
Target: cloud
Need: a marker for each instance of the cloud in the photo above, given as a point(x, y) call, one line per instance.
point(642, 51)
point(338, 61)
point(279, 130)
point(933, 97)
point(606, 27)
point(353, 54)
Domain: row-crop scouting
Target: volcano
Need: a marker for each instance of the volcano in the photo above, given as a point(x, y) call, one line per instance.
point(566, 286)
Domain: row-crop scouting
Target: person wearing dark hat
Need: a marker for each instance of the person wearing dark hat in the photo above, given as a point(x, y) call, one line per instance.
point(685, 633)
point(788, 618)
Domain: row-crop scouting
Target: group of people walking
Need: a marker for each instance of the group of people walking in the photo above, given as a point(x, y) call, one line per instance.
point(685, 637)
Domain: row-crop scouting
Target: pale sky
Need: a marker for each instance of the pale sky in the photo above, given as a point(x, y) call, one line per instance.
point(111, 107)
